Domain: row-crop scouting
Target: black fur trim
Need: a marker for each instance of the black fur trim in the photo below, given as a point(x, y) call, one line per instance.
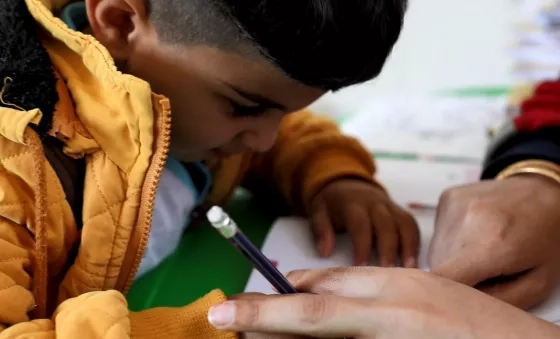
point(24, 59)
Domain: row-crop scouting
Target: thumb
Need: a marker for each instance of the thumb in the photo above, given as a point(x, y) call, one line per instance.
point(323, 231)
point(326, 316)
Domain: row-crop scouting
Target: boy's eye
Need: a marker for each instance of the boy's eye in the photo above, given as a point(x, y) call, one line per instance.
point(240, 111)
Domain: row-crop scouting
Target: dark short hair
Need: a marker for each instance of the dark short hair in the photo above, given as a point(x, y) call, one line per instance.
point(328, 44)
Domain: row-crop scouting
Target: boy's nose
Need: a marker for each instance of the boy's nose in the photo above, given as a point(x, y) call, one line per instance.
point(261, 138)
point(260, 141)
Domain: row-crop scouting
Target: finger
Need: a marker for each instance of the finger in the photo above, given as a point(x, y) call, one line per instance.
point(481, 263)
point(353, 282)
point(524, 291)
point(360, 226)
point(386, 234)
point(326, 316)
point(473, 263)
point(410, 238)
point(323, 232)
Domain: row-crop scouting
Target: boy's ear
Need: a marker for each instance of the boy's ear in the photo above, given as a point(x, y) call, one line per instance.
point(118, 24)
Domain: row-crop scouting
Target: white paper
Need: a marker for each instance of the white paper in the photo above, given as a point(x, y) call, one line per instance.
point(290, 244)
point(427, 124)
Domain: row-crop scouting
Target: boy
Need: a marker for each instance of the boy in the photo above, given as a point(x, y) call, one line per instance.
point(84, 143)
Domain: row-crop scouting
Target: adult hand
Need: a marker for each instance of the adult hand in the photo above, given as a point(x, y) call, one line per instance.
point(502, 237)
point(380, 303)
point(256, 335)
point(368, 213)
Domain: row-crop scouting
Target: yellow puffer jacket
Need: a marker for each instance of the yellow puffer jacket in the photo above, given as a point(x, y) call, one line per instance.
point(122, 130)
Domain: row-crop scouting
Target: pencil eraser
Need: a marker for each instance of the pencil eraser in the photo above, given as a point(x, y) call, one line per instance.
point(215, 214)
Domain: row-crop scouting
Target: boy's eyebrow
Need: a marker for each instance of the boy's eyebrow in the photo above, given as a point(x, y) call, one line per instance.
point(257, 98)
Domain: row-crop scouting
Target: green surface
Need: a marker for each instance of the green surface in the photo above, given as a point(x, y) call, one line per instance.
point(204, 261)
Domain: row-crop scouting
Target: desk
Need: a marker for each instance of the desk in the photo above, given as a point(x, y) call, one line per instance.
point(203, 261)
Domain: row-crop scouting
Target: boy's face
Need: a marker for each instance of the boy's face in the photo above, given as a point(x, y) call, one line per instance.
point(222, 103)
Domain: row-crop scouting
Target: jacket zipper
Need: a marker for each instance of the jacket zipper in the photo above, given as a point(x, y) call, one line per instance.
point(141, 232)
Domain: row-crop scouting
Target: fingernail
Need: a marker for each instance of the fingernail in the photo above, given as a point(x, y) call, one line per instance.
point(410, 263)
point(222, 314)
point(384, 262)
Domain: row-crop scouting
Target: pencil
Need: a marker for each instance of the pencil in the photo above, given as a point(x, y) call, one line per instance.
point(219, 219)
point(421, 206)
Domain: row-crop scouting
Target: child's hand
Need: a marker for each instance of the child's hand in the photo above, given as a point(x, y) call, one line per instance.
point(368, 213)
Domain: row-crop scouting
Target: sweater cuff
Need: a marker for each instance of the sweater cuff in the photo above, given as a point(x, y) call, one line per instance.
point(189, 322)
point(540, 145)
point(332, 164)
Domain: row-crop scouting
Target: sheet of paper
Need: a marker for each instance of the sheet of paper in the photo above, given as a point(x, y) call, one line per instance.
point(290, 243)
point(427, 124)
point(291, 246)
